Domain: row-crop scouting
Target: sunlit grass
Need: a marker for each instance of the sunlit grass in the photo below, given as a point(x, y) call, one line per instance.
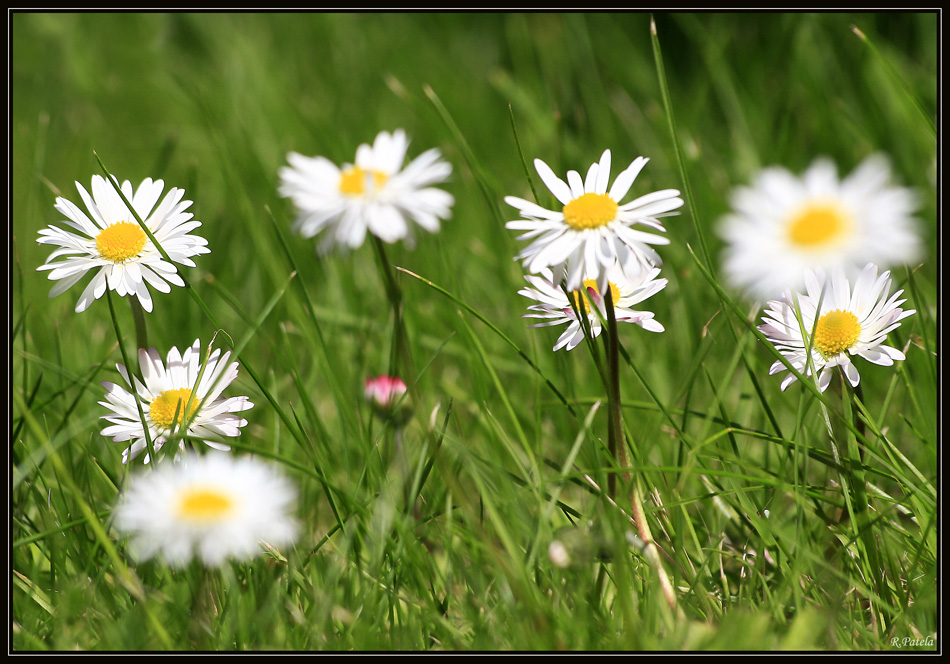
point(441, 541)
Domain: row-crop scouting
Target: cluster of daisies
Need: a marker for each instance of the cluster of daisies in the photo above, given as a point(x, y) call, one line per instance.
point(214, 506)
point(800, 244)
point(785, 233)
point(592, 252)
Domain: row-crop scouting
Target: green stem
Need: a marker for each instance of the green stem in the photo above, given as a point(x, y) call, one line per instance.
point(399, 353)
point(862, 516)
point(138, 315)
point(615, 423)
point(615, 431)
point(128, 368)
point(400, 361)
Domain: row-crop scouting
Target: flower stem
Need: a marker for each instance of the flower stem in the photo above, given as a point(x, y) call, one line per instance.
point(399, 351)
point(618, 448)
point(855, 516)
point(138, 315)
point(614, 421)
point(863, 523)
point(400, 359)
point(128, 368)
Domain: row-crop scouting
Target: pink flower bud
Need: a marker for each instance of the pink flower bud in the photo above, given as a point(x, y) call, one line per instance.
point(385, 395)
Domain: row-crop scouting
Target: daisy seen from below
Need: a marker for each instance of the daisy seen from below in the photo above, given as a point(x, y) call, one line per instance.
point(111, 244)
point(592, 230)
point(626, 291)
point(212, 507)
point(836, 324)
point(167, 391)
point(374, 194)
point(782, 225)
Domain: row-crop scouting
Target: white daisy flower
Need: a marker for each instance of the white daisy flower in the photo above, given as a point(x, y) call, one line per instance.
point(783, 225)
point(213, 507)
point(845, 323)
point(593, 230)
point(555, 307)
point(171, 390)
point(376, 193)
point(111, 243)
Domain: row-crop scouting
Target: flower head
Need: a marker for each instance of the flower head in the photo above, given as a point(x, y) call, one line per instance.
point(171, 395)
point(213, 507)
point(111, 243)
point(375, 193)
point(783, 225)
point(592, 230)
point(386, 395)
point(555, 307)
point(836, 324)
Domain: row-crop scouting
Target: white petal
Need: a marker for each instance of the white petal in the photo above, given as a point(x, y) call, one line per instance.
point(556, 186)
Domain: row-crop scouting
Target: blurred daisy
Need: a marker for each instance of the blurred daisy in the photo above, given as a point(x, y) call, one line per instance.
point(171, 390)
point(556, 309)
point(783, 225)
point(376, 193)
point(845, 323)
point(111, 243)
point(213, 507)
point(592, 230)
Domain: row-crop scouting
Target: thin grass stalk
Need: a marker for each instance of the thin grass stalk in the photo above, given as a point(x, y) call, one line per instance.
point(126, 576)
point(524, 164)
point(650, 546)
point(898, 81)
point(494, 328)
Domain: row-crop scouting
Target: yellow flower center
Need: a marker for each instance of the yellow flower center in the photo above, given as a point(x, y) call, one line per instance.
point(836, 332)
point(354, 181)
point(592, 283)
point(818, 225)
point(590, 211)
point(163, 407)
point(120, 242)
point(204, 505)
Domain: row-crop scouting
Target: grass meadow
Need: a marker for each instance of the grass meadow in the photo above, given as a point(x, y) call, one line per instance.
point(439, 536)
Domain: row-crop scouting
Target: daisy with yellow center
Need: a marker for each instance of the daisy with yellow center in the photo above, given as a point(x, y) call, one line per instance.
point(592, 230)
point(172, 397)
point(375, 194)
point(783, 225)
point(626, 290)
point(836, 324)
point(214, 508)
point(111, 243)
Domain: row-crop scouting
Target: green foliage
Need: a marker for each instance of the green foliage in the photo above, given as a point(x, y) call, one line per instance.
point(441, 541)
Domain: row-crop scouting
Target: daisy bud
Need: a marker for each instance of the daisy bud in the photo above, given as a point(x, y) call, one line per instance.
point(386, 394)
